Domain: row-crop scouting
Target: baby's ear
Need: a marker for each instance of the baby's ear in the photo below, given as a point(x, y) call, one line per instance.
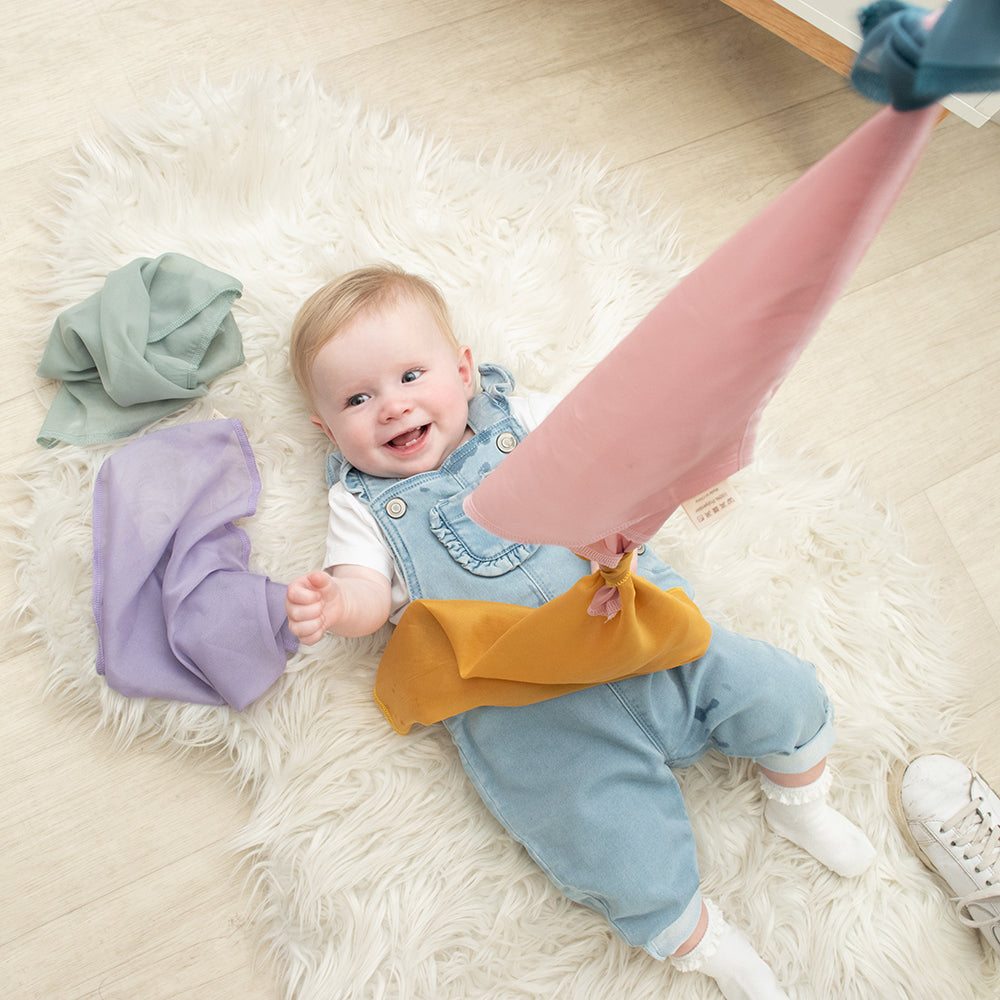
point(321, 424)
point(467, 371)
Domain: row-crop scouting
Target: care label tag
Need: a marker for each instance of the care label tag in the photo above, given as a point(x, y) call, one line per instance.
point(714, 503)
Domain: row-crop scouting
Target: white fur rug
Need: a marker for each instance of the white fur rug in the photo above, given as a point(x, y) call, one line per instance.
point(379, 873)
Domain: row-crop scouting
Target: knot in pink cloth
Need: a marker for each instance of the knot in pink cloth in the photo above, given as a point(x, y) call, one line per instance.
point(608, 600)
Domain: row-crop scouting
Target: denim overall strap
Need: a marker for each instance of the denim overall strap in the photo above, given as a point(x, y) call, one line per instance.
point(439, 550)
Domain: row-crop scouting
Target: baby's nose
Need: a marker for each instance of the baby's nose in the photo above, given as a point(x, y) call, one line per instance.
point(394, 407)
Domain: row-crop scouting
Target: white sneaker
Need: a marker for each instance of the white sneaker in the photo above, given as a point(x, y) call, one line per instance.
point(952, 820)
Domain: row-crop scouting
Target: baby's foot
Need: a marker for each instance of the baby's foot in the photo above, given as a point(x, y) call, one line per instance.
point(725, 954)
point(802, 815)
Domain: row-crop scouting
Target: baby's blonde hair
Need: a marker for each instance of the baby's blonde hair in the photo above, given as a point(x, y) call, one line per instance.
point(327, 311)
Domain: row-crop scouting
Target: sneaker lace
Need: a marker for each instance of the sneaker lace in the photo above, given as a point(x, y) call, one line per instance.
point(975, 829)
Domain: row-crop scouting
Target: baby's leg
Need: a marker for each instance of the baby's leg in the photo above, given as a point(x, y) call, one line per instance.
point(580, 784)
point(750, 699)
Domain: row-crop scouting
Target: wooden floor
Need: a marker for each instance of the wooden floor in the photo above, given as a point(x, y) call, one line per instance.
point(117, 881)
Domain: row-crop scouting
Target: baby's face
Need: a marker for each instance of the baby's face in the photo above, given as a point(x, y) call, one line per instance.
point(392, 392)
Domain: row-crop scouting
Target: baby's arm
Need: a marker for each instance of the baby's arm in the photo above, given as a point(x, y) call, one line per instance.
point(348, 601)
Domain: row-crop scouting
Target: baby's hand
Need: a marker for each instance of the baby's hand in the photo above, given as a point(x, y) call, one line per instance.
point(314, 603)
point(353, 601)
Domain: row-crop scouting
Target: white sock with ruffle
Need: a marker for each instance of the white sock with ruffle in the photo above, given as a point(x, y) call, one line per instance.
point(727, 956)
point(801, 814)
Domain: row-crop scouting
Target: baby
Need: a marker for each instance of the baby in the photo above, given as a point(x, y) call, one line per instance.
point(583, 780)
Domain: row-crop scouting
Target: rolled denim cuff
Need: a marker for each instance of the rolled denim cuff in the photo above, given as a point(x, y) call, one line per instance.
point(806, 756)
point(671, 938)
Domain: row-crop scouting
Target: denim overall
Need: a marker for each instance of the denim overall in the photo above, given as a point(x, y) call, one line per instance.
point(584, 781)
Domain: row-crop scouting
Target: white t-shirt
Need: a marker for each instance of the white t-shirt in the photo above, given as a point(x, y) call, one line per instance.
point(353, 536)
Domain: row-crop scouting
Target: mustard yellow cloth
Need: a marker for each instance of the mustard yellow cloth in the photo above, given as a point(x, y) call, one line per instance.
point(447, 656)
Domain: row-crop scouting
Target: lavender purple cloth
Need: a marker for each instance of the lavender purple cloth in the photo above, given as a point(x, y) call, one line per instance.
point(179, 614)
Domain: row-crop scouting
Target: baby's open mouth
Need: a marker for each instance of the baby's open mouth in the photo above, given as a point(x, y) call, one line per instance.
point(408, 438)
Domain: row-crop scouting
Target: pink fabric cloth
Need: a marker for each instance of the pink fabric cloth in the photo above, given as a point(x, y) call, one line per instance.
point(674, 408)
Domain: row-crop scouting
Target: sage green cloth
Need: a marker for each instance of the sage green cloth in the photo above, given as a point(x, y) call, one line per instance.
point(148, 342)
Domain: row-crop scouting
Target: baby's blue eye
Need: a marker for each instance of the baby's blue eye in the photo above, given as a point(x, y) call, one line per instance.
point(357, 399)
point(411, 376)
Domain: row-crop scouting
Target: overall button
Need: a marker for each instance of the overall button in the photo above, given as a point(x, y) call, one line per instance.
point(396, 507)
point(506, 442)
